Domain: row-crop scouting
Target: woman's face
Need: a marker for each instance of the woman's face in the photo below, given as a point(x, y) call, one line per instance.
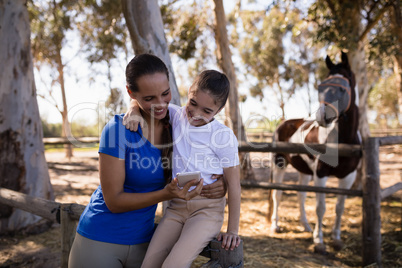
point(153, 95)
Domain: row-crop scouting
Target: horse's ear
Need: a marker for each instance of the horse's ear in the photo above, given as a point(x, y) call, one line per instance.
point(345, 60)
point(329, 63)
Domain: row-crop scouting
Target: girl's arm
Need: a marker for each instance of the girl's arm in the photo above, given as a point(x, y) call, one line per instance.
point(133, 116)
point(231, 238)
point(112, 176)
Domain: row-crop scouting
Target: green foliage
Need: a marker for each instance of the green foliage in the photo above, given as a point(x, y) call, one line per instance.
point(51, 129)
point(50, 21)
point(384, 100)
point(184, 28)
point(184, 42)
point(103, 30)
point(104, 37)
point(280, 69)
point(343, 22)
point(189, 32)
point(279, 46)
point(79, 128)
point(383, 42)
point(338, 21)
point(262, 50)
point(259, 123)
point(115, 102)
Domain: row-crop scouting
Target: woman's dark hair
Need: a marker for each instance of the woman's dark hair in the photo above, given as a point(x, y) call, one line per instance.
point(148, 64)
point(214, 83)
point(143, 64)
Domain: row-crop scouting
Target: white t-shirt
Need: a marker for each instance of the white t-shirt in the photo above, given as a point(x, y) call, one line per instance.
point(208, 148)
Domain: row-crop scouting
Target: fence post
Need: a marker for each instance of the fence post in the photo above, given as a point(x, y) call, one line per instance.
point(371, 203)
point(68, 226)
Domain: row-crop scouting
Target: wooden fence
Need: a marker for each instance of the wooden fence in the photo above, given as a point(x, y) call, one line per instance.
point(371, 194)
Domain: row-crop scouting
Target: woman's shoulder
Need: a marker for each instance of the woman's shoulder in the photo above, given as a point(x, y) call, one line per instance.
point(115, 125)
point(115, 137)
point(116, 119)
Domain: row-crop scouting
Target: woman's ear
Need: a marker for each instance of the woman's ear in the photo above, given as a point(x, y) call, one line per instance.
point(130, 93)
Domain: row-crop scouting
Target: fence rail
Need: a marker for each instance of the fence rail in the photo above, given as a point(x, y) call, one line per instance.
point(302, 148)
point(60, 140)
point(267, 136)
point(301, 188)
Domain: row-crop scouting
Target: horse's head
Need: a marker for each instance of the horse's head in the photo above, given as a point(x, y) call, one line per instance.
point(336, 93)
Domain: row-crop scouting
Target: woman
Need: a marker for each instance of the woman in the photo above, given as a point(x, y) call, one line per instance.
point(135, 170)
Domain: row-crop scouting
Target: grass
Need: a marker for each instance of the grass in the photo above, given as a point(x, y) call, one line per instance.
point(60, 148)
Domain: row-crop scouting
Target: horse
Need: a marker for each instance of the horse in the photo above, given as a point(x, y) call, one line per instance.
point(336, 122)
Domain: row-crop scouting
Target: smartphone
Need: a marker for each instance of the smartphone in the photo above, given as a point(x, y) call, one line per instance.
point(185, 177)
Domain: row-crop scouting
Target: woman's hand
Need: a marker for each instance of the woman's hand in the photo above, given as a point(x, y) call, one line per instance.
point(183, 193)
point(216, 189)
point(133, 117)
point(229, 240)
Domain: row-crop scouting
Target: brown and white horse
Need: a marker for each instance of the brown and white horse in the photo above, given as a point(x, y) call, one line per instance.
point(336, 122)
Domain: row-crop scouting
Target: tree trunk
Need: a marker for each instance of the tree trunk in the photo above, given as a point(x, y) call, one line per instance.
point(358, 65)
point(396, 24)
point(281, 97)
point(357, 60)
point(144, 22)
point(23, 165)
point(66, 129)
point(398, 77)
point(232, 106)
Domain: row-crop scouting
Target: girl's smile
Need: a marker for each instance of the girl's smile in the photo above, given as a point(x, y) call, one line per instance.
point(200, 108)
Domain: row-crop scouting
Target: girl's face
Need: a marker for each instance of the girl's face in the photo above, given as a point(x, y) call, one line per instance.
point(201, 108)
point(153, 95)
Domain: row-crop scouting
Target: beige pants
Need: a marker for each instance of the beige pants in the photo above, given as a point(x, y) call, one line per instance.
point(88, 253)
point(184, 231)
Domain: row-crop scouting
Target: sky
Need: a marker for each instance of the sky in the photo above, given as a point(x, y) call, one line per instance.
point(84, 97)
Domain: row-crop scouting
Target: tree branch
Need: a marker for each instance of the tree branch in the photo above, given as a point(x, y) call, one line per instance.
point(331, 7)
point(54, 104)
point(396, 5)
point(373, 6)
point(372, 23)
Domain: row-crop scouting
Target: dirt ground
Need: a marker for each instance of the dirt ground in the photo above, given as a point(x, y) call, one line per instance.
point(74, 182)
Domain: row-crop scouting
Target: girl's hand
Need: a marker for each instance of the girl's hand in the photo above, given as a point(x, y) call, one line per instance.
point(216, 189)
point(133, 117)
point(229, 240)
point(183, 193)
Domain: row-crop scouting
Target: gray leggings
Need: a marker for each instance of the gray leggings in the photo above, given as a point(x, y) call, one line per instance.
point(87, 253)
